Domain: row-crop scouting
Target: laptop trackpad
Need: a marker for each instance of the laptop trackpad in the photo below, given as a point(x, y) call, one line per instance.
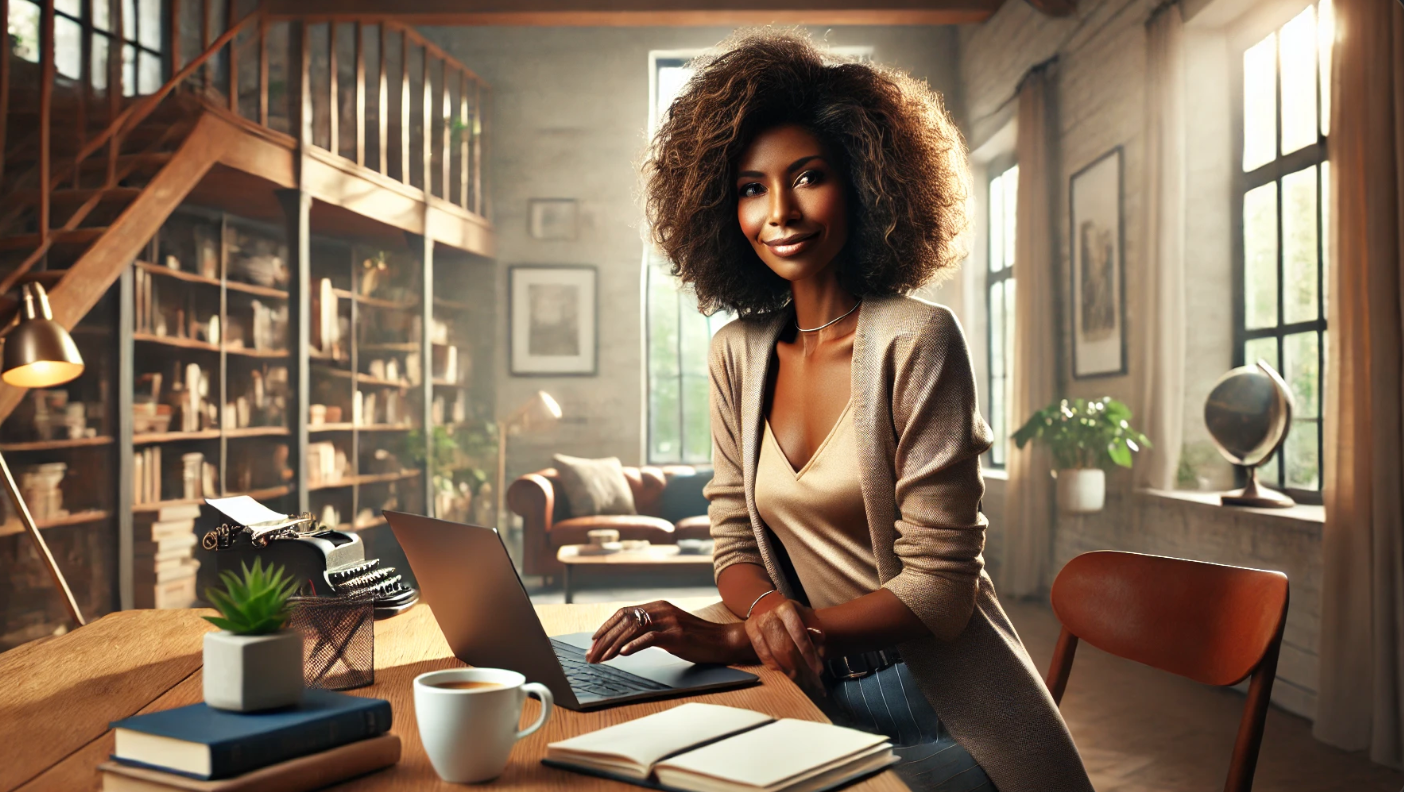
point(651, 663)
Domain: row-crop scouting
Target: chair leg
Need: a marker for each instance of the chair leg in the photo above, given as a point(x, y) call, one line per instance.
point(1061, 667)
point(1250, 729)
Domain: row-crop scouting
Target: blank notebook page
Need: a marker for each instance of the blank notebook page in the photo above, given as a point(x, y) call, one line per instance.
point(766, 756)
point(646, 740)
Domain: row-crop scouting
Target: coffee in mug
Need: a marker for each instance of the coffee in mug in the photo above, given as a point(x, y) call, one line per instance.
point(466, 685)
point(468, 719)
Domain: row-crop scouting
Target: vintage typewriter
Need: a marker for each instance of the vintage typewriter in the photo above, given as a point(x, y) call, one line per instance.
point(329, 562)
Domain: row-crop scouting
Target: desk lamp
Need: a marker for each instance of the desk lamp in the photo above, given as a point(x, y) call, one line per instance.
point(39, 353)
point(538, 412)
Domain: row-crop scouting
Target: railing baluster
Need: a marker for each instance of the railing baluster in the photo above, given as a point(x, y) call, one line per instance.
point(263, 24)
point(427, 139)
point(404, 108)
point(333, 101)
point(304, 92)
point(207, 74)
point(463, 135)
point(115, 91)
point(359, 109)
point(231, 21)
point(47, 75)
point(478, 128)
point(382, 116)
point(445, 120)
point(85, 85)
point(173, 25)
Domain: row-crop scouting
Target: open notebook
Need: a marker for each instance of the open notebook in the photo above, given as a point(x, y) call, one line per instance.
point(709, 748)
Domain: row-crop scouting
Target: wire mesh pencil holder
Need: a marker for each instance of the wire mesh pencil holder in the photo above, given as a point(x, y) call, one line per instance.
point(338, 640)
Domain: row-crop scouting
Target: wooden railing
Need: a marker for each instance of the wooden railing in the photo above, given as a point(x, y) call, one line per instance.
point(375, 93)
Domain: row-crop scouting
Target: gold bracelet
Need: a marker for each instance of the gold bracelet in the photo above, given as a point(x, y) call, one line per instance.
point(757, 602)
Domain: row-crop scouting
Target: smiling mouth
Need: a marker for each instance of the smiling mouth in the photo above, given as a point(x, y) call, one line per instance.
point(791, 245)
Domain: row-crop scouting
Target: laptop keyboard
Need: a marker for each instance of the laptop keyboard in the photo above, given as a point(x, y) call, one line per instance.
point(599, 680)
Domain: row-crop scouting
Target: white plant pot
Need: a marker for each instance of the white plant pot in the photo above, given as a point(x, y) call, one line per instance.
point(1081, 490)
point(247, 673)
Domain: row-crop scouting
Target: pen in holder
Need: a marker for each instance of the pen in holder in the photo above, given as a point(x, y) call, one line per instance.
point(338, 640)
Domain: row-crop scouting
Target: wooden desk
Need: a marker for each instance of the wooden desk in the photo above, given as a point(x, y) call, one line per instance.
point(653, 557)
point(57, 697)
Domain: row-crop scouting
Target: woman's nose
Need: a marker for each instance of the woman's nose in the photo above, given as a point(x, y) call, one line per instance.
point(783, 208)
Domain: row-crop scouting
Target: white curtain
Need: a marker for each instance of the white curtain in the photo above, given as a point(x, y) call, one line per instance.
point(1160, 366)
point(1029, 513)
point(1360, 696)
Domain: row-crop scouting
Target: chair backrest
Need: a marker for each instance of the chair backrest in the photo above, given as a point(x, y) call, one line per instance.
point(1211, 623)
point(1208, 622)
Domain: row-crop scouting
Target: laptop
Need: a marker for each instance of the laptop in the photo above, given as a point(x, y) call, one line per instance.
point(466, 576)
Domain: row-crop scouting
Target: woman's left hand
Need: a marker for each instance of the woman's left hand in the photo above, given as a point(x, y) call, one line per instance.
point(672, 629)
point(790, 639)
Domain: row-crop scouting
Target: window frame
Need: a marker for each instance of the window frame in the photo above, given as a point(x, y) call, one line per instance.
point(995, 169)
point(1245, 35)
point(115, 34)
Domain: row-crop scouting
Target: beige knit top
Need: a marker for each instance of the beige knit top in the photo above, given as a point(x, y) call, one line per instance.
point(918, 436)
point(817, 511)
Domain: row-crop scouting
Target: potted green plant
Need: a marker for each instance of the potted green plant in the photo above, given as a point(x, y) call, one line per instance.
point(252, 663)
point(1085, 437)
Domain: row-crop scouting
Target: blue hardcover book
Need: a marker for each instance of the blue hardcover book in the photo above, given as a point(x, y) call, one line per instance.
point(201, 742)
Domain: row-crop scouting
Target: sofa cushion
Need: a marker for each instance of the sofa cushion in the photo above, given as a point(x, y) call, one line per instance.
point(594, 486)
point(683, 497)
point(699, 527)
point(633, 526)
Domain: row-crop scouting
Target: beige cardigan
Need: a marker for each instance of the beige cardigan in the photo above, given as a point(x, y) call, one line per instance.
point(920, 436)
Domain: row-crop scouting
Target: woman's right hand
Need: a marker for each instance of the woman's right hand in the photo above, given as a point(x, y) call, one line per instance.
point(668, 627)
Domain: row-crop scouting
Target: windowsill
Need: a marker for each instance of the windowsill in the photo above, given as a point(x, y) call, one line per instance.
point(1307, 514)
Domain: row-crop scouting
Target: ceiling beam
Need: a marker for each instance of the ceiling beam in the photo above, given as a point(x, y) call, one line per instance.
point(636, 13)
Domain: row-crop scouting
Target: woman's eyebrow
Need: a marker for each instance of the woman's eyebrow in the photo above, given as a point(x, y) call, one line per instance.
point(791, 168)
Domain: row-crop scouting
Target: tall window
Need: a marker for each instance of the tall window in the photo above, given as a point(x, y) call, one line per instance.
point(87, 28)
point(999, 306)
point(1281, 217)
point(678, 335)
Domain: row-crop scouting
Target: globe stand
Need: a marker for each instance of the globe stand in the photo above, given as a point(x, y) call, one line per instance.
point(1256, 495)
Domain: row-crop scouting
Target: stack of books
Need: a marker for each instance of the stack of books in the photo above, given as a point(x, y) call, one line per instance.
point(329, 737)
point(163, 563)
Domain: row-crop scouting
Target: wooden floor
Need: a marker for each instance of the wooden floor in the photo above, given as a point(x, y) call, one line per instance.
point(1141, 730)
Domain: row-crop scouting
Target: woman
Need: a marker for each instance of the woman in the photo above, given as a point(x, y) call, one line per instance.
point(808, 198)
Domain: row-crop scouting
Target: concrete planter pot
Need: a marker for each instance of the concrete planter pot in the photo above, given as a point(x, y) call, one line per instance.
point(1081, 490)
point(247, 673)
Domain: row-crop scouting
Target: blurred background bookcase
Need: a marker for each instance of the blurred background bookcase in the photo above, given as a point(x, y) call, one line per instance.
point(191, 391)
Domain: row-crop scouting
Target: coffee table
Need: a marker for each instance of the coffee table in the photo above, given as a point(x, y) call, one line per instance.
point(653, 557)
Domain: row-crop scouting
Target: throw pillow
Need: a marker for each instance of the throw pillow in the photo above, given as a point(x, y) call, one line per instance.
point(594, 486)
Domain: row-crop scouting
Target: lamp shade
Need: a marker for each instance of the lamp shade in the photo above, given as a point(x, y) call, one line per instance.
point(39, 352)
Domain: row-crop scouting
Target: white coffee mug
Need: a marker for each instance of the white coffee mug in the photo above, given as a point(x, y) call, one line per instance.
point(468, 733)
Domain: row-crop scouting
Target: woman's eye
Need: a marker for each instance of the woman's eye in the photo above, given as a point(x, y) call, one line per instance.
point(810, 177)
point(750, 190)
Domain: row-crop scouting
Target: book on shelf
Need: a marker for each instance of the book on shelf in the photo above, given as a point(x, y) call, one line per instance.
point(698, 747)
point(201, 742)
point(181, 538)
point(146, 475)
point(313, 771)
point(178, 593)
point(154, 577)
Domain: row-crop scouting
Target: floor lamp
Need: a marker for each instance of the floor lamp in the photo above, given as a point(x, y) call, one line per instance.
point(538, 412)
point(39, 353)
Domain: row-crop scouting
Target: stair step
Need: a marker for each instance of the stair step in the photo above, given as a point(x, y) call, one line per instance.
point(78, 236)
point(72, 197)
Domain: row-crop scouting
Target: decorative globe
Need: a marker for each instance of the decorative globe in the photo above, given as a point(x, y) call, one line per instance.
point(1248, 414)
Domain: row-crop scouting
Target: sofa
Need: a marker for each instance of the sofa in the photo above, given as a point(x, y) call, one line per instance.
point(668, 500)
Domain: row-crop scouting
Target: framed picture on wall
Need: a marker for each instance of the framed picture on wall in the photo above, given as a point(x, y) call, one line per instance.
point(1098, 273)
point(552, 320)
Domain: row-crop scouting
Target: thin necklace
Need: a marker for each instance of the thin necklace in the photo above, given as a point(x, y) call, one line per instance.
point(826, 324)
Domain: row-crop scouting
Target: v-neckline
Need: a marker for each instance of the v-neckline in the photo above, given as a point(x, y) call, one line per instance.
point(833, 430)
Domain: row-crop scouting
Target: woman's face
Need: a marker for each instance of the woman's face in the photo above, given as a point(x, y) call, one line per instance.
point(791, 202)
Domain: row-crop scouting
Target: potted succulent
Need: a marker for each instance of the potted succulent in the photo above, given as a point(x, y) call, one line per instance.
point(252, 663)
point(1085, 438)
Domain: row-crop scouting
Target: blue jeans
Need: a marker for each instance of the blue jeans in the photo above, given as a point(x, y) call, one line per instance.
point(889, 703)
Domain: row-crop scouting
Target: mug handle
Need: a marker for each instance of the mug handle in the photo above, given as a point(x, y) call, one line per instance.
point(542, 694)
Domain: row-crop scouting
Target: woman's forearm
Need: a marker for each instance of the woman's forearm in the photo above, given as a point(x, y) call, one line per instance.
point(742, 584)
point(873, 621)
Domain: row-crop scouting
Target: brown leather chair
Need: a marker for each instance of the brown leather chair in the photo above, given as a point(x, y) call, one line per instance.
point(1214, 624)
point(547, 524)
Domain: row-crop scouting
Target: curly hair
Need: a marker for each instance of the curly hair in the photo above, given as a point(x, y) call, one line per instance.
point(902, 156)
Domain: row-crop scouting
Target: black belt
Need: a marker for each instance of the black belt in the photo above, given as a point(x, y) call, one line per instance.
point(861, 664)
